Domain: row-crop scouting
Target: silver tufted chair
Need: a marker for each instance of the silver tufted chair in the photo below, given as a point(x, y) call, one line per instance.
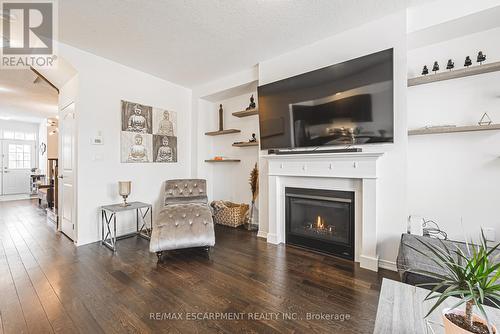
point(185, 221)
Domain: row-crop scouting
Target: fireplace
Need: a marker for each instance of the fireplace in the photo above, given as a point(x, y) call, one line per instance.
point(322, 220)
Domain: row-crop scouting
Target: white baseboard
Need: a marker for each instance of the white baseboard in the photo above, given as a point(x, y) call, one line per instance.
point(389, 265)
point(367, 262)
point(272, 238)
point(262, 234)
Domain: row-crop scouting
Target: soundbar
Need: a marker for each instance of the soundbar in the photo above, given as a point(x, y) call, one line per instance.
point(338, 150)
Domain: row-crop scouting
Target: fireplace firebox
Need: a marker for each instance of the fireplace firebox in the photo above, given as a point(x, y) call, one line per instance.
point(322, 220)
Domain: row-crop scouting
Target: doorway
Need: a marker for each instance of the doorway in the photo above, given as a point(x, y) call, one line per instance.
point(17, 159)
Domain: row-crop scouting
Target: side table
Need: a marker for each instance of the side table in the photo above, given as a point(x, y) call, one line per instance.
point(108, 216)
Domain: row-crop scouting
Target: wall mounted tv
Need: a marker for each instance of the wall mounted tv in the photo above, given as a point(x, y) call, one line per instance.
point(350, 103)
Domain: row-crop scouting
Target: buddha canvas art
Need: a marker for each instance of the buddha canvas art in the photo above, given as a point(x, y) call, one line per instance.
point(149, 134)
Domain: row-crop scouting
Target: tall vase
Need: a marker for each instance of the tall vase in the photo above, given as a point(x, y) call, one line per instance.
point(253, 218)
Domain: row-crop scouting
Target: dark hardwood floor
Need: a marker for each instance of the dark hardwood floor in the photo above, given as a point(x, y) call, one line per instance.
point(49, 285)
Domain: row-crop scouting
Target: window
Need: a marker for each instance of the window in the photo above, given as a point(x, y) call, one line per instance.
point(29, 136)
point(19, 156)
point(19, 135)
point(8, 134)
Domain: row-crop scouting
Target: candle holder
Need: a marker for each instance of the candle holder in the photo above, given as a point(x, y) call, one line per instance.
point(124, 190)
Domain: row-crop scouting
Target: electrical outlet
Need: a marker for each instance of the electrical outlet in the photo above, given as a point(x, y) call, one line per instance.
point(489, 233)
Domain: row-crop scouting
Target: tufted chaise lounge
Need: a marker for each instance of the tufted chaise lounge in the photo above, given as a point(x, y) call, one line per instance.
point(185, 221)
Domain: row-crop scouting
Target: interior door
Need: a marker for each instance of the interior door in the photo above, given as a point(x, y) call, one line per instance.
point(66, 171)
point(18, 157)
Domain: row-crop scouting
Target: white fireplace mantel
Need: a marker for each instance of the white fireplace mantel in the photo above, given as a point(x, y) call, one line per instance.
point(355, 172)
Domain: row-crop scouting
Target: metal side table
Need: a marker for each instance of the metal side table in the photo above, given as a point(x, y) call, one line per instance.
point(108, 224)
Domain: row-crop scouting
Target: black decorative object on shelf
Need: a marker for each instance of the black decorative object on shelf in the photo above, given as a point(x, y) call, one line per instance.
point(435, 67)
point(425, 70)
point(450, 65)
point(221, 118)
point(468, 61)
point(252, 103)
point(253, 139)
point(481, 57)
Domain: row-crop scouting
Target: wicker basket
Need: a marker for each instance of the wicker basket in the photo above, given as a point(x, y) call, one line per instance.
point(228, 213)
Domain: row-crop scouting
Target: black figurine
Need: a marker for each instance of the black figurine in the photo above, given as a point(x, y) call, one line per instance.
point(435, 68)
point(450, 65)
point(252, 103)
point(481, 57)
point(468, 61)
point(425, 70)
point(221, 118)
point(253, 139)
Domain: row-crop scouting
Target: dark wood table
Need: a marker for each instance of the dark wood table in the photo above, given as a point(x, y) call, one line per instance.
point(108, 227)
point(401, 309)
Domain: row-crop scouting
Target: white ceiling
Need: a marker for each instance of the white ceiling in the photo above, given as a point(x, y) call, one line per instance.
point(191, 42)
point(23, 100)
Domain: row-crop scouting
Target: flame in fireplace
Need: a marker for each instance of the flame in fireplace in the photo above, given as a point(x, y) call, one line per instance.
point(320, 223)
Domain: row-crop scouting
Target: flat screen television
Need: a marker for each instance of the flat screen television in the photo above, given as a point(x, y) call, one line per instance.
point(346, 104)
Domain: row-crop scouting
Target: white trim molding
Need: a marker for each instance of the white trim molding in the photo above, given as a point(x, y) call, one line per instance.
point(356, 172)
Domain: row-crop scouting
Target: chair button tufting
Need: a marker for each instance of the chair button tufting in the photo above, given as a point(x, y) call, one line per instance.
point(184, 216)
point(191, 222)
point(205, 222)
point(200, 191)
point(170, 216)
point(195, 185)
point(185, 185)
point(180, 191)
point(175, 186)
point(197, 215)
point(190, 191)
point(176, 224)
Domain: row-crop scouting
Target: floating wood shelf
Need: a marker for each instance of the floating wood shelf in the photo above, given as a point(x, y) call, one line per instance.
point(245, 113)
point(224, 160)
point(246, 144)
point(223, 132)
point(470, 128)
point(454, 74)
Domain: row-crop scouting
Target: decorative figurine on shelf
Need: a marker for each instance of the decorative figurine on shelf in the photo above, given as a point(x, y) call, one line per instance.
point(481, 57)
point(253, 139)
point(252, 103)
point(425, 70)
point(468, 61)
point(485, 120)
point(450, 65)
point(435, 68)
point(221, 118)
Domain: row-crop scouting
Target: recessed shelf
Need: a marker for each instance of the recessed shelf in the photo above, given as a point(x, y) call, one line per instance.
point(224, 160)
point(469, 128)
point(254, 143)
point(223, 132)
point(454, 74)
point(246, 113)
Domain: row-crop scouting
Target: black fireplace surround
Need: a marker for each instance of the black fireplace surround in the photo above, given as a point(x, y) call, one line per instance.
point(322, 220)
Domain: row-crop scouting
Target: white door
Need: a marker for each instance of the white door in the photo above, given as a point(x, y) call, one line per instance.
point(18, 157)
point(66, 171)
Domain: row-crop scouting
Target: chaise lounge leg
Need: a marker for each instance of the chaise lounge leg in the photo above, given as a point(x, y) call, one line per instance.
point(159, 254)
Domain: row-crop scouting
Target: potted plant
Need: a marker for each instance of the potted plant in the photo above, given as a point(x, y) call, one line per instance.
point(471, 275)
point(253, 222)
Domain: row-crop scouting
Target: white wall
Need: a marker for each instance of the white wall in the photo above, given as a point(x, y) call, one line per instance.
point(455, 176)
point(101, 85)
point(389, 32)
